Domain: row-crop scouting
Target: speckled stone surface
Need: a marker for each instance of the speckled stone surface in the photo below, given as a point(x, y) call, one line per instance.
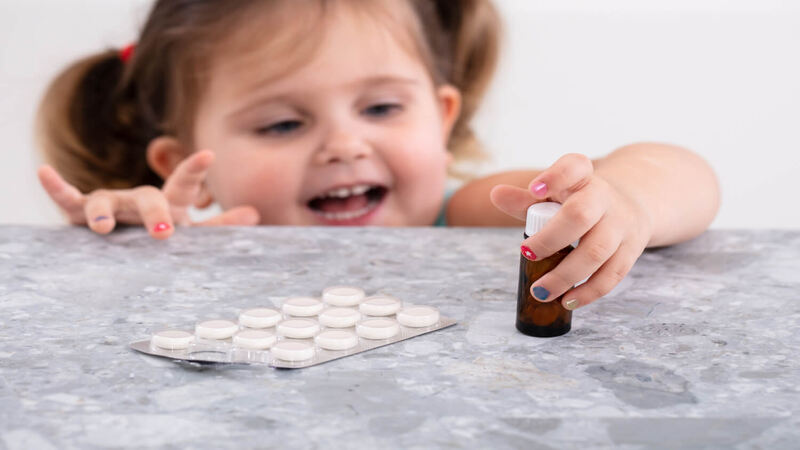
point(697, 347)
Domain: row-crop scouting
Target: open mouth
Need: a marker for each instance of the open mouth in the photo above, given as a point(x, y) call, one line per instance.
point(348, 204)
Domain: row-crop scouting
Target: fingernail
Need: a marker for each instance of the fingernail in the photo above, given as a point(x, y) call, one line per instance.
point(540, 189)
point(540, 293)
point(161, 226)
point(528, 253)
point(571, 304)
point(99, 218)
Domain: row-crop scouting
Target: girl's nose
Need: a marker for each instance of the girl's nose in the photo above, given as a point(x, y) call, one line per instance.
point(343, 147)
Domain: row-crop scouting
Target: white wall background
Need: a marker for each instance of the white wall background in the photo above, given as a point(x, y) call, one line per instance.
point(719, 77)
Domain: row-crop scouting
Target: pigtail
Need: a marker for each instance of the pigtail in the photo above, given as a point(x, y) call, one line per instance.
point(89, 127)
point(464, 39)
point(475, 49)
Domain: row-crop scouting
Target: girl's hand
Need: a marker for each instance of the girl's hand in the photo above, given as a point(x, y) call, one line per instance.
point(613, 230)
point(158, 209)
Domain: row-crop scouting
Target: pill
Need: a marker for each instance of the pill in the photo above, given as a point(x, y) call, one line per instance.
point(292, 350)
point(377, 328)
point(336, 340)
point(302, 306)
point(380, 305)
point(172, 339)
point(259, 318)
point(418, 316)
point(298, 328)
point(254, 339)
point(342, 295)
point(339, 317)
point(216, 329)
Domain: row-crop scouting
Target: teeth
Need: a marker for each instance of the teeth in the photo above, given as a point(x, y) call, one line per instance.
point(360, 189)
point(347, 192)
point(347, 215)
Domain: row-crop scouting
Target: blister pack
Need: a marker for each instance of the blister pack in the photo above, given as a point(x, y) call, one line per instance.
point(305, 332)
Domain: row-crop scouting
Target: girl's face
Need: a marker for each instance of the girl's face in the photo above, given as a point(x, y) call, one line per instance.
point(354, 136)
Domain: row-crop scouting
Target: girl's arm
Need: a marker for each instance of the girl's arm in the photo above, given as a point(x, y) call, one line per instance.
point(676, 190)
point(676, 187)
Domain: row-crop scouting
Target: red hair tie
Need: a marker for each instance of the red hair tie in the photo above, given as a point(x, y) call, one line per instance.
point(127, 52)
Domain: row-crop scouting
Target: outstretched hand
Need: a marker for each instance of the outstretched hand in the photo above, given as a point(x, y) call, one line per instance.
point(613, 230)
point(159, 210)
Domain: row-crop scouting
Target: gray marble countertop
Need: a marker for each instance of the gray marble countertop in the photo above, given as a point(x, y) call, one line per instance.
point(697, 347)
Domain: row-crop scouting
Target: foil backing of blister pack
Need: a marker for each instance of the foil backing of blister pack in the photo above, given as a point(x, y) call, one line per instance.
point(205, 351)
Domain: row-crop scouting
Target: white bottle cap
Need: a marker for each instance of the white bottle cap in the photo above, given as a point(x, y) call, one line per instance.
point(298, 328)
point(216, 329)
point(254, 339)
point(377, 328)
point(538, 215)
point(343, 295)
point(302, 306)
point(172, 339)
point(259, 318)
point(339, 317)
point(418, 316)
point(293, 350)
point(380, 305)
point(336, 340)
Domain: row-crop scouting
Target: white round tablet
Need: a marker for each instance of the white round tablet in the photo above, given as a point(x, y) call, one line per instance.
point(380, 305)
point(172, 339)
point(342, 295)
point(339, 317)
point(336, 340)
point(292, 350)
point(254, 339)
point(302, 306)
point(298, 328)
point(377, 328)
point(259, 318)
point(216, 329)
point(418, 316)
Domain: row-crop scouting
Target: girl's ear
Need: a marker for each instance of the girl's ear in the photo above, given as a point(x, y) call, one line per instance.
point(164, 153)
point(449, 106)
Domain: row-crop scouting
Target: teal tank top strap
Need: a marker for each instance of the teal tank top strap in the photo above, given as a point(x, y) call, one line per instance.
point(441, 221)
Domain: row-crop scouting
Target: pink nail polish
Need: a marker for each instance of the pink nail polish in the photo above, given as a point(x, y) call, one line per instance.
point(161, 226)
point(539, 189)
point(528, 253)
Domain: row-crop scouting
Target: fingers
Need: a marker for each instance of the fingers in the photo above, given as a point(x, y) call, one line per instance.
point(65, 195)
point(181, 188)
point(605, 279)
point(595, 248)
point(576, 217)
point(512, 200)
point(154, 211)
point(240, 215)
point(99, 211)
point(102, 209)
point(566, 176)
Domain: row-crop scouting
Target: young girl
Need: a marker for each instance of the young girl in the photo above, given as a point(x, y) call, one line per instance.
point(340, 112)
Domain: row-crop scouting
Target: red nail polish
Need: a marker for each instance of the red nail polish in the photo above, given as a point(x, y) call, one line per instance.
point(528, 253)
point(540, 189)
point(161, 226)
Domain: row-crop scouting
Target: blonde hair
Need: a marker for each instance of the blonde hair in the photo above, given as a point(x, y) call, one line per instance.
point(99, 115)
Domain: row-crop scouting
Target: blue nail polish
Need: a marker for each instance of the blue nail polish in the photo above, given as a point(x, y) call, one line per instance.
point(540, 293)
point(99, 218)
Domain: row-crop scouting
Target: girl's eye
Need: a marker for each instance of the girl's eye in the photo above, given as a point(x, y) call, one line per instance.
point(382, 109)
point(280, 128)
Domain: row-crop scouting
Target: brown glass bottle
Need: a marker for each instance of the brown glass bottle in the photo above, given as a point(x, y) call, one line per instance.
point(536, 318)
